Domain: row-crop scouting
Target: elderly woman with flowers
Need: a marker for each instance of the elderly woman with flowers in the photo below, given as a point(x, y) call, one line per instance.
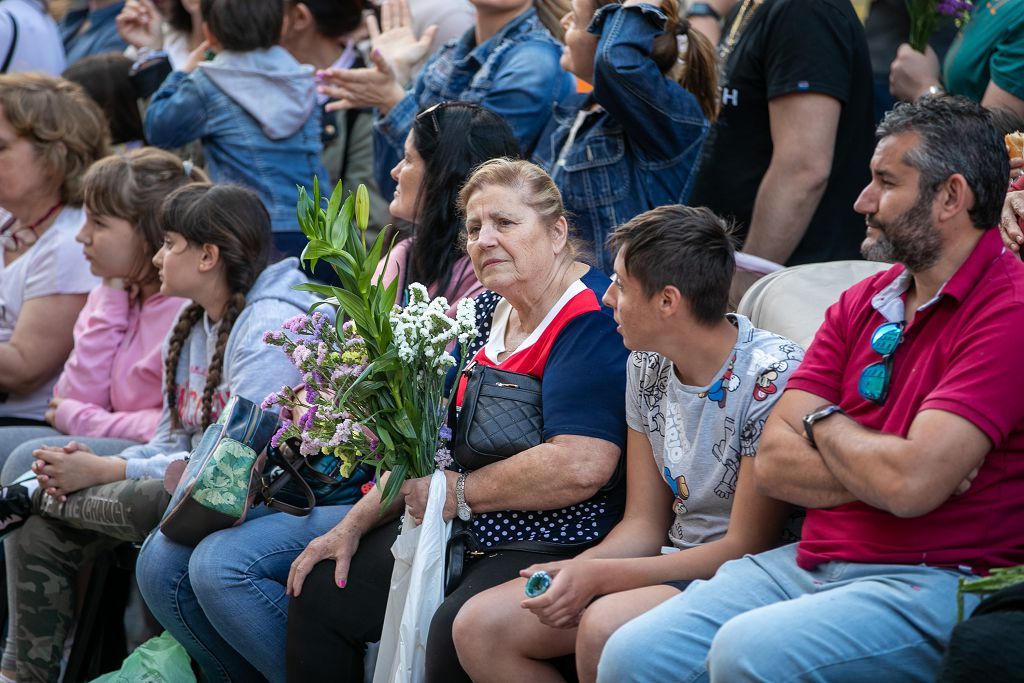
point(541, 317)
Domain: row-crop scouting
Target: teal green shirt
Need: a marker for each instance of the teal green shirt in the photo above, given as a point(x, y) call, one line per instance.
point(989, 48)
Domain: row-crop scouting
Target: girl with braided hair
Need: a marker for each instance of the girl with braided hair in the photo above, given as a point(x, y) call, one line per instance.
point(215, 251)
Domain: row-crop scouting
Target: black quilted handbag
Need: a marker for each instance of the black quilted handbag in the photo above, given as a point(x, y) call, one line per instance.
point(501, 415)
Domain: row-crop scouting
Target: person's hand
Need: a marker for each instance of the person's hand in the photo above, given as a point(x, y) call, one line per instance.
point(51, 412)
point(912, 73)
point(358, 88)
point(196, 57)
point(62, 471)
point(395, 40)
point(139, 24)
point(338, 544)
point(416, 492)
point(1009, 221)
point(741, 282)
point(574, 583)
point(1016, 168)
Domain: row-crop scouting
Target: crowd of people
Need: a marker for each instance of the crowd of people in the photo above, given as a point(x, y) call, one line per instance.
point(606, 180)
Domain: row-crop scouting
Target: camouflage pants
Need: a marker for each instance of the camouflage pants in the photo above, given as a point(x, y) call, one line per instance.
point(50, 549)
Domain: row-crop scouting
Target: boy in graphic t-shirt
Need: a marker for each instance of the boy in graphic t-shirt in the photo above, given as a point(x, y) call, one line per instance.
point(700, 384)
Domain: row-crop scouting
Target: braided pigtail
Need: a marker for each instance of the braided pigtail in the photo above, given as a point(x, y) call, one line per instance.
point(234, 220)
point(215, 373)
point(186, 321)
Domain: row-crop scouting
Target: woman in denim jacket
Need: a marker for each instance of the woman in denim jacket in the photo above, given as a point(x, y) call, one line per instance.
point(633, 144)
point(511, 68)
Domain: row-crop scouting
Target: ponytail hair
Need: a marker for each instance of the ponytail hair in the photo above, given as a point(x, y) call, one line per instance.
point(695, 67)
point(235, 220)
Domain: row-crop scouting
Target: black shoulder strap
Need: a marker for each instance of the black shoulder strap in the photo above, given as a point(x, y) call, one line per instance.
point(14, 43)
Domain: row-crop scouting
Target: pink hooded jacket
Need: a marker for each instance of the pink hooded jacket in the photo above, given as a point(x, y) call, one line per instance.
point(112, 382)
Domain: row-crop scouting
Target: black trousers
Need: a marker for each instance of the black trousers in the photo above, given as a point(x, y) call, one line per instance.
point(328, 627)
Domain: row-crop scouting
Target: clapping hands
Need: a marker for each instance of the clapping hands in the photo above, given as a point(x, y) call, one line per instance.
point(396, 51)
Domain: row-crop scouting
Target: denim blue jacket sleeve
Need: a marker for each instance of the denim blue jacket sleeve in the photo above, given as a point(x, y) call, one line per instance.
point(529, 82)
point(176, 114)
point(659, 115)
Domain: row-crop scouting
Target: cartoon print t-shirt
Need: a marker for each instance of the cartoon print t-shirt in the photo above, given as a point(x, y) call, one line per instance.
point(699, 434)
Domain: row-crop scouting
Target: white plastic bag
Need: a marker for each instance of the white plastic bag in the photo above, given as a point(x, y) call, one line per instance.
point(417, 588)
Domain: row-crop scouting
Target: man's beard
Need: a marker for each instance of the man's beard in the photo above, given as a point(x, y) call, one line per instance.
point(910, 238)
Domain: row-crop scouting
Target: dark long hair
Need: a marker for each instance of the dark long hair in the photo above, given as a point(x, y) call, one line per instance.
point(234, 219)
point(453, 138)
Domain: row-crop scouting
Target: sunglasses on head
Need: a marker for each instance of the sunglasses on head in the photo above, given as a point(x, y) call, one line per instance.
point(876, 378)
point(432, 113)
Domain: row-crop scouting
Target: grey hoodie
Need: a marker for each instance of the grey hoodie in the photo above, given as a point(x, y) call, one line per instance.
point(269, 85)
point(252, 369)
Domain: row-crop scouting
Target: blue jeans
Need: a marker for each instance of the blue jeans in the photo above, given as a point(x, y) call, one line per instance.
point(762, 618)
point(224, 600)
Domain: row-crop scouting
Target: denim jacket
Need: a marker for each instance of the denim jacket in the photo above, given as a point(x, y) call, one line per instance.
point(640, 148)
point(515, 74)
point(256, 115)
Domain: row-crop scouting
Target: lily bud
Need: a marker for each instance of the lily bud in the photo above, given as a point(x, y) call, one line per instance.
point(362, 208)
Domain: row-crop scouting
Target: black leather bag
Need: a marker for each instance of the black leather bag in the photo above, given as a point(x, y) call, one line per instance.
point(502, 414)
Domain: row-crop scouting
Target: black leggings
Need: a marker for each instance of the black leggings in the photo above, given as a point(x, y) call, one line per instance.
point(328, 626)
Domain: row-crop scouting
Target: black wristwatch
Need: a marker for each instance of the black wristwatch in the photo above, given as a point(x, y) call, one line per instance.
point(816, 416)
point(703, 9)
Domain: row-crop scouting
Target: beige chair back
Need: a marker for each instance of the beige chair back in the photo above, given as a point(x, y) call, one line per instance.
point(792, 301)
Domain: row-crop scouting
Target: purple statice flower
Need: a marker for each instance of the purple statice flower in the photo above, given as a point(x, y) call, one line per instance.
point(954, 8)
point(275, 440)
point(300, 355)
point(295, 323)
point(271, 400)
point(309, 446)
point(317, 378)
point(318, 321)
point(443, 458)
point(306, 421)
point(446, 433)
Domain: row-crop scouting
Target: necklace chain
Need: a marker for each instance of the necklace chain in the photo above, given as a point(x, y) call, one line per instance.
point(739, 24)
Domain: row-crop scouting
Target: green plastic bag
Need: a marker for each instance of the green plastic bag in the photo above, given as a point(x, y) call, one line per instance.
point(158, 660)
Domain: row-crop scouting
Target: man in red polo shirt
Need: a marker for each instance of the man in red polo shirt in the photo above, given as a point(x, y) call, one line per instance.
point(902, 434)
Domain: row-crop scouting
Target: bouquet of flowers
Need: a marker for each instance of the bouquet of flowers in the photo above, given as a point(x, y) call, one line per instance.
point(375, 383)
point(925, 15)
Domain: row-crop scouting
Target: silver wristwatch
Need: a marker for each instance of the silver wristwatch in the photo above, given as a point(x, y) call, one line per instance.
point(461, 507)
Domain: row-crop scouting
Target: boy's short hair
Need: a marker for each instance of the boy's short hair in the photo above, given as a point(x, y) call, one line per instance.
point(244, 25)
point(688, 248)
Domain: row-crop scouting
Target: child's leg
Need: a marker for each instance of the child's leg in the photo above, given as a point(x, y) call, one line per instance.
point(126, 510)
point(47, 557)
point(605, 615)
